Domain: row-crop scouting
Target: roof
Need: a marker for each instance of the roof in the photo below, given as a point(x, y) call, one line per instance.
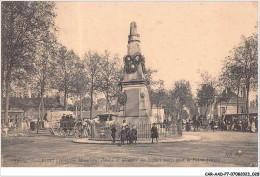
point(233, 98)
point(27, 103)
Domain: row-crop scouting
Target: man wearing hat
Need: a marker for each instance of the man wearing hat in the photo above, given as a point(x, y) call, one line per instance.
point(154, 133)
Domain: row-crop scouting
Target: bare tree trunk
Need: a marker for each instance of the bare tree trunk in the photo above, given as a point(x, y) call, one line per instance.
point(39, 117)
point(181, 112)
point(91, 96)
point(206, 111)
point(3, 80)
point(237, 100)
point(220, 108)
point(77, 106)
point(65, 100)
point(7, 99)
point(7, 90)
point(65, 88)
point(80, 99)
point(157, 110)
point(107, 103)
point(42, 108)
point(247, 101)
point(9, 67)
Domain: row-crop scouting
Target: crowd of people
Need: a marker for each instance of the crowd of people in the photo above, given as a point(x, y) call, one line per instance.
point(235, 124)
point(223, 124)
point(12, 127)
point(67, 117)
point(128, 133)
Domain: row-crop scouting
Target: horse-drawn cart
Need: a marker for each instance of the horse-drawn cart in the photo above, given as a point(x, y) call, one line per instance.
point(69, 126)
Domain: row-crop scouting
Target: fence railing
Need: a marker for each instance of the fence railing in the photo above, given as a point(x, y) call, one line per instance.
point(103, 131)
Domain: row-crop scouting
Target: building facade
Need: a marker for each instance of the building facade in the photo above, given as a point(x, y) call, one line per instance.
point(235, 105)
point(15, 115)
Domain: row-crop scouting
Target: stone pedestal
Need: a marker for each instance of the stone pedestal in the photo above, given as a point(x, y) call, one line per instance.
point(137, 107)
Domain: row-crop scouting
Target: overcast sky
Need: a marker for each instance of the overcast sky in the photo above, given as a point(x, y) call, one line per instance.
point(179, 39)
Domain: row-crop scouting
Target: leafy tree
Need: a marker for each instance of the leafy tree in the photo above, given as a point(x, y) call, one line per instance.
point(111, 74)
point(182, 94)
point(192, 106)
point(65, 68)
point(206, 96)
point(93, 65)
point(246, 56)
point(208, 79)
point(169, 104)
point(241, 68)
point(100, 104)
point(86, 103)
point(149, 80)
point(185, 114)
point(232, 77)
point(158, 95)
point(80, 84)
point(24, 26)
point(44, 70)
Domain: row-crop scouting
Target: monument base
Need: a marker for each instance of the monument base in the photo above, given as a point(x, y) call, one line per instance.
point(137, 107)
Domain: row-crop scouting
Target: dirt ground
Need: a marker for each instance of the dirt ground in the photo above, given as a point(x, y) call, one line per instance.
point(218, 149)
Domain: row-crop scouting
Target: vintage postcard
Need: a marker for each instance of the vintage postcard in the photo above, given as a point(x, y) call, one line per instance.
point(129, 84)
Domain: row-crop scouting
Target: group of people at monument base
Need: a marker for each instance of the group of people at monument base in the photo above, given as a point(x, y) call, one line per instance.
point(129, 133)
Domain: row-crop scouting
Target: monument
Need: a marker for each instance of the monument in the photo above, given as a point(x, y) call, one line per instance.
point(134, 98)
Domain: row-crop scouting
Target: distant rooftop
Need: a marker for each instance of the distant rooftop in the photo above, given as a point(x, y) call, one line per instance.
point(28, 103)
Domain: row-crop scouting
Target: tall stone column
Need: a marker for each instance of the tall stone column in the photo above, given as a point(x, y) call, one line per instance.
point(134, 98)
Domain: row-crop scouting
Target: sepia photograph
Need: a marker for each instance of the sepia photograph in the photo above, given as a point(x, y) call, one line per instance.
point(129, 84)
